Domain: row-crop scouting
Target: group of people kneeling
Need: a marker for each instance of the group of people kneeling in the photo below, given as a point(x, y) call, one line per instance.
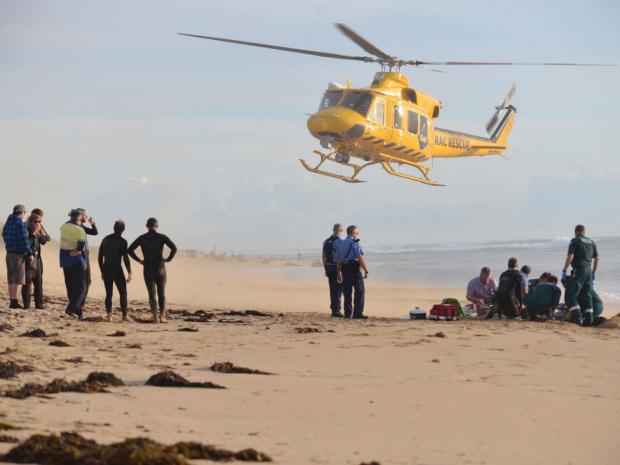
point(517, 296)
point(23, 241)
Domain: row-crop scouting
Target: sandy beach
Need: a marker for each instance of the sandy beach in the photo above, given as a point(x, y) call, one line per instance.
point(389, 390)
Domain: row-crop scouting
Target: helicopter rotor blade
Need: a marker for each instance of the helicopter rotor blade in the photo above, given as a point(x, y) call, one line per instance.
point(286, 49)
point(495, 118)
point(499, 63)
point(363, 43)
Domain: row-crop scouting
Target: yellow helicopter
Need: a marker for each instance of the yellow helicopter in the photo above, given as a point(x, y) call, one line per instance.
point(390, 123)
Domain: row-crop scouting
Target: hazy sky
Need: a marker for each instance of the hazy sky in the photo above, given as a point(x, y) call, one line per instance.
point(102, 105)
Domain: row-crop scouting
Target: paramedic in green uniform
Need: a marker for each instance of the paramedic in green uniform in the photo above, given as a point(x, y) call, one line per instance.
point(583, 257)
point(544, 299)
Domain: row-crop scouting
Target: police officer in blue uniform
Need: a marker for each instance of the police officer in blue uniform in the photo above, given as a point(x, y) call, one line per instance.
point(350, 263)
point(329, 262)
point(584, 259)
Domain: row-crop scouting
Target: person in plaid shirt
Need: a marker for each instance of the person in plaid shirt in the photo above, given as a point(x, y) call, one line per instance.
point(18, 250)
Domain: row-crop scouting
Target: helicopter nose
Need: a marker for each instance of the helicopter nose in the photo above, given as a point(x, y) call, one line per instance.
point(341, 122)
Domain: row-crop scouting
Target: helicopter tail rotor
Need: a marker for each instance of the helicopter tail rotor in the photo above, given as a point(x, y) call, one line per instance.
point(490, 126)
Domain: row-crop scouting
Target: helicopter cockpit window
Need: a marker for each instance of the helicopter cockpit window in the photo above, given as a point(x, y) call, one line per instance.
point(412, 122)
point(377, 114)
point(330, 98)
point(398, 117)
point(358, 101)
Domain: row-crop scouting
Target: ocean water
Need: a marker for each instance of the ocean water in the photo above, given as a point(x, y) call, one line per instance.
point(454, 264)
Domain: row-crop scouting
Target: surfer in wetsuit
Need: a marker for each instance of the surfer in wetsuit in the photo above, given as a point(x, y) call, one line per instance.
point(152, 244)
point(112, 251)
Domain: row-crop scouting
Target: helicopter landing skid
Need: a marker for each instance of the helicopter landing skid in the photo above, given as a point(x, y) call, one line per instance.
point(425, 179)
point(330, 157)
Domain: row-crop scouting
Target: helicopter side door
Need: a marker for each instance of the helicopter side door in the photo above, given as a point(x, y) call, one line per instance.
point(396, 112)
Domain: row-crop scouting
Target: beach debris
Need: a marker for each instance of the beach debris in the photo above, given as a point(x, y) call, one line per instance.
point(228, 367)
point(73, 449)
point(59, 343)
point(307, 330)
point(96, 381)
point(169, 378)
point(74, 360)
point(10, 369)
point(188, 330)
point(245, 313)
point(435, 360)
point(118, 334)
point(133, 346)
point(37, 332)
point(438, 334)
point(5, 328)
point(7, 438)
point(8, 427)
point(374, 462)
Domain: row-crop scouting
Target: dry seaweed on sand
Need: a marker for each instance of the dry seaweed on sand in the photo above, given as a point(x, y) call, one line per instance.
point(438, 334)
point(37, 332)
point(245, 313)
point(11, 369)
point(169, 378)
point(228, 367)
point(94, 319)
point(5, 328)
point(118, 334)
point(96, 381)
point(73, 449)
point(133, 346)
point(307, 330)
point(188, 330)
point(8, 427)
point(74, 360)
point(374, 462)
point(59, 343)
point(7, 438)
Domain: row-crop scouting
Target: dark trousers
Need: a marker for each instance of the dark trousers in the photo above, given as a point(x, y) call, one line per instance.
point(75, 281)
point(578, 296)
point(38, 284)
point(87, 283)
point(155, 279)
point(112, 277)
point(32, 282)
point(352, 279)
point(335, 288)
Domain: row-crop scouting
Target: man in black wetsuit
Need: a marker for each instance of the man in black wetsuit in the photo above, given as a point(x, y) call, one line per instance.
point(112, 250)
point(152, 244)
point(90, 231)
point(509, 294)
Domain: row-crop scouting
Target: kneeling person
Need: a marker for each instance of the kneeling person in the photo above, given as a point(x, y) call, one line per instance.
point(112, 251)
point(544, 299)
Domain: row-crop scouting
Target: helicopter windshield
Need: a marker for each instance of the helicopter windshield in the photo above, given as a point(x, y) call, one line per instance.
point(358, 101)
point(330, 98)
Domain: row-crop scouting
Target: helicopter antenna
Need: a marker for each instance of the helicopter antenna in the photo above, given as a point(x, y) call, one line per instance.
point(380, 57)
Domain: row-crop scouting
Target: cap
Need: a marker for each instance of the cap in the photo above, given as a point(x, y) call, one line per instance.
point(17, 209)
